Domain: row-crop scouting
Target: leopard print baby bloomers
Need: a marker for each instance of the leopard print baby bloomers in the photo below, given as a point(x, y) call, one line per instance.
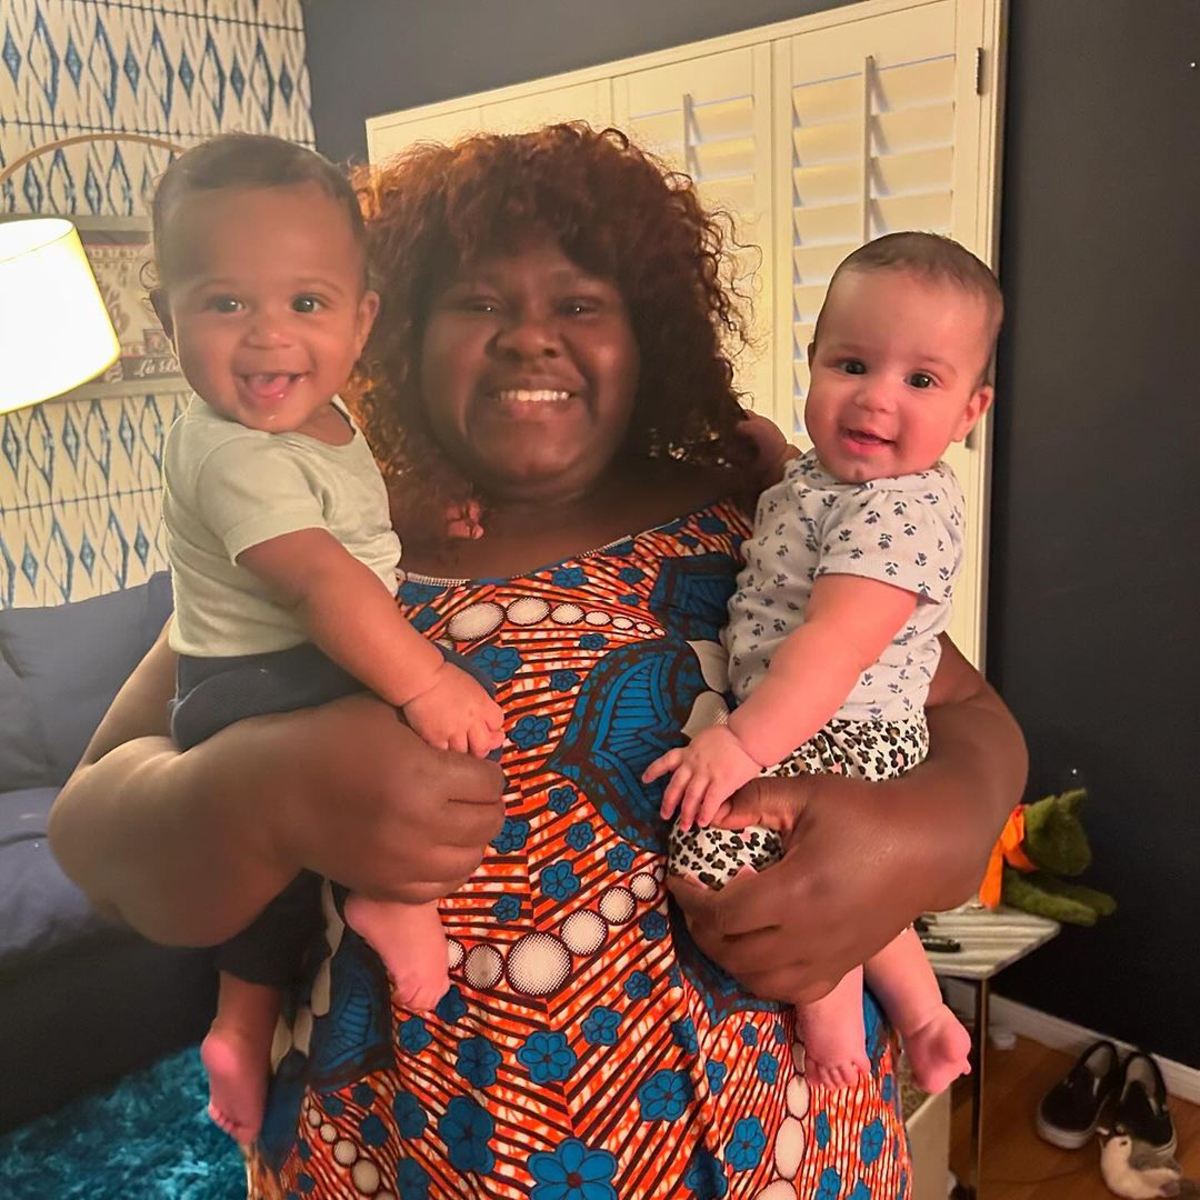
point(871, 750)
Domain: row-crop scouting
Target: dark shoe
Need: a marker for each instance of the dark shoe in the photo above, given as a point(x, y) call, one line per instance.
point(1071, 1110)
point(1141, 1108)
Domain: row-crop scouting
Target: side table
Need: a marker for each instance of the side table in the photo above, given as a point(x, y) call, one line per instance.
point(990, 941)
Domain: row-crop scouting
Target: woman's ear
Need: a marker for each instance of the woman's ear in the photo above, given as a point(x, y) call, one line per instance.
point(162, 310)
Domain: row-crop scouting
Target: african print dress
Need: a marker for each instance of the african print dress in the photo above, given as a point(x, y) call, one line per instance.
point(586, 1049)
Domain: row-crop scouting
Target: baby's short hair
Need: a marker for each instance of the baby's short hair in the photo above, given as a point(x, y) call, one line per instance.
point(245, 160)
point(935, 257)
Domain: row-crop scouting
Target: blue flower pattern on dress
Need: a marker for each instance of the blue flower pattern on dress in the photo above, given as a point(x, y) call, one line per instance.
point(600, 1026)
point(500, 663)
point(466, 1128)
point(705, 1176)
point(665, 1096)
point(507, 908)
point(451, 1007)
point(531, 731)
point(573, 1171)
point(411, 1118)
point(412, 1180)
point(477, 1061)
point(637, 986)
point(559, 881)
point(547, 1057)
point(620, 858)
point(414, 1035)
point(580, 835)
point(512, 836)
point(746, 1147)
point(563, 681)
point(560, 799)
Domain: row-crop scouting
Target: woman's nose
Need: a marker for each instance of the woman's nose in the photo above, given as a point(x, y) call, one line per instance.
point(529, 335)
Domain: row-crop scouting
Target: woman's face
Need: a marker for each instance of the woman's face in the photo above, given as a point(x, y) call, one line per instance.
point(529, 368)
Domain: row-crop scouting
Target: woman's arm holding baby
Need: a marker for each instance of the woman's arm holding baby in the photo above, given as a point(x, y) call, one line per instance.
point(861, 860)
point(188, 848)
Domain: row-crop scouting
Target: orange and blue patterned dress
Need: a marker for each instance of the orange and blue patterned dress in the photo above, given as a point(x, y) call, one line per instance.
point(586, 1049)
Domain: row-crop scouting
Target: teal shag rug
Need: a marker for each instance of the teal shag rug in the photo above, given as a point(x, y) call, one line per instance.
point(146, 1138)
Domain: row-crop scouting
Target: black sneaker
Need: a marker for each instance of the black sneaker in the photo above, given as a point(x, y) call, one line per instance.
point(1069, 1113)
point(1141, 1108)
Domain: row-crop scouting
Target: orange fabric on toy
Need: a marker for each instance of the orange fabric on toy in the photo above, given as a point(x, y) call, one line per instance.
point(1006, 850)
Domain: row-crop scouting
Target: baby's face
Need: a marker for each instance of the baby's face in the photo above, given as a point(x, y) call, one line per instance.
point(896, 373)
point(266, 303)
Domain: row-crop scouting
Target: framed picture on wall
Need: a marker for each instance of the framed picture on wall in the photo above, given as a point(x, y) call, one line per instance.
point(120, 252)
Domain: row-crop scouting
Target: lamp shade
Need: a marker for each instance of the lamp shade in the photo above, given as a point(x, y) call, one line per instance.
point(55, 332)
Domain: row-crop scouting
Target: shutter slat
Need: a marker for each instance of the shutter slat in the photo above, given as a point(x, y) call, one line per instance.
point(912, 129)
point(816, 264)
point(918, 171)
point(914, 84)
point(840, 224)
point(836, 142)
point(829, 183)
point(827, 101)
point(930, 212)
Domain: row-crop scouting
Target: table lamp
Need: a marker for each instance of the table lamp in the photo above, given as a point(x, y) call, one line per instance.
point(55, 332)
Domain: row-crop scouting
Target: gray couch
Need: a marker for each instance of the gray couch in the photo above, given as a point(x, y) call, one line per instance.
point(82, 1001)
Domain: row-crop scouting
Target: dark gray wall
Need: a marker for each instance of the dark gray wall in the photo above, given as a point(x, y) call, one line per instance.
point(1093, 556)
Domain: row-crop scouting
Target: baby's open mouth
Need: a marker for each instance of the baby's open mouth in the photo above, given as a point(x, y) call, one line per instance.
point(860, 437)
point(269, 386)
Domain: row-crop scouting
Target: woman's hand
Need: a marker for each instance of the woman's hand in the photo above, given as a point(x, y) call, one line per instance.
point(862, 860)
point(792, 931)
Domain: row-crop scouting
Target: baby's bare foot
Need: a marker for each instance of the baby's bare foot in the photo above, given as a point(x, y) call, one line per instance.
point(410, 940)
point(938, 1051)
point(237, 1072)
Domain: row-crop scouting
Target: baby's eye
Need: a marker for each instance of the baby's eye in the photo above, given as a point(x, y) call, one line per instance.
point(306, 304)
point(854, 366)
point(225, 304)
point(921, 379)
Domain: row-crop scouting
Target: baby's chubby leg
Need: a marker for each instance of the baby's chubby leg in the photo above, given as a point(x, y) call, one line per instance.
point(410, 940)
point(835, 1042)
point(236, 1055)
point(936, 1043)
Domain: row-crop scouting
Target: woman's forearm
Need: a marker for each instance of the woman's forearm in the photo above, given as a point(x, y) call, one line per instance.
point(959, 798)
point(151, 837)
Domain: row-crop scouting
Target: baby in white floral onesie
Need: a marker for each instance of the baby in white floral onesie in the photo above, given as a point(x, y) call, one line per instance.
point(849, 573)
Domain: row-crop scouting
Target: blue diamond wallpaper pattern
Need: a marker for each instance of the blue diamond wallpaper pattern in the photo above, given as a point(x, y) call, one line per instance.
point(79, 479)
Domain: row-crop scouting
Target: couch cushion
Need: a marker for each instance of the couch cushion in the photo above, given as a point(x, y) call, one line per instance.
point(42, 909)
point(61, 668)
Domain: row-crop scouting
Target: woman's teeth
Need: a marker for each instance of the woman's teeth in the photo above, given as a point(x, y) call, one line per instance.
point(531, 395)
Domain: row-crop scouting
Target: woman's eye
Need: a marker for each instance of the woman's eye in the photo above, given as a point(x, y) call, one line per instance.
point(579, 306)
point(306, 304)
point(919, 379)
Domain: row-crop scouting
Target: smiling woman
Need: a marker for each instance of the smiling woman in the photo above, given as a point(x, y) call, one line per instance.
point(551, 342)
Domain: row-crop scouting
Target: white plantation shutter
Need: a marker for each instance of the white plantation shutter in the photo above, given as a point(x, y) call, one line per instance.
point(503, 111)
point(710, 117)
point(868, 132)
point(877, 121)
point(817, 134)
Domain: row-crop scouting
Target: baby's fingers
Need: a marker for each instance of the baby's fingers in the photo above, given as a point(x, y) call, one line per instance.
point(662, 765)
point(674, 794)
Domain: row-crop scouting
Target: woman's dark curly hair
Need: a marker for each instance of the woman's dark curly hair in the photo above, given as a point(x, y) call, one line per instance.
point(614, 210)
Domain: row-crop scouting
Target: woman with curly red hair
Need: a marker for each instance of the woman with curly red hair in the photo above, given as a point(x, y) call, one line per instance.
point(552, 347)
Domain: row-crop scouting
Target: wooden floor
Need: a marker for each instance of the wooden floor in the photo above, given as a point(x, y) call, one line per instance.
point(1017, 1164)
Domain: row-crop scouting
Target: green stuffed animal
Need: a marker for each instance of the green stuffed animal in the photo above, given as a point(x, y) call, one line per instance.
point(1041, 844)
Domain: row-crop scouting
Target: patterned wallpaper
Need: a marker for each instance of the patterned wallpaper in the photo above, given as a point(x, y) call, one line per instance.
point(79, 479)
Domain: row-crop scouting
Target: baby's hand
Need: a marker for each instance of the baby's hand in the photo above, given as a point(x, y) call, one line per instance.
point(456, 713)
point(706, 773)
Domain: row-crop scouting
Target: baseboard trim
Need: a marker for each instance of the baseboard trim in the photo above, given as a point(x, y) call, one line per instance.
point(1181, 1080)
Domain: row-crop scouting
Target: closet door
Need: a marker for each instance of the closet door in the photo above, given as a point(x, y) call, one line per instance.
point(880, 126)
point(710, 117)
